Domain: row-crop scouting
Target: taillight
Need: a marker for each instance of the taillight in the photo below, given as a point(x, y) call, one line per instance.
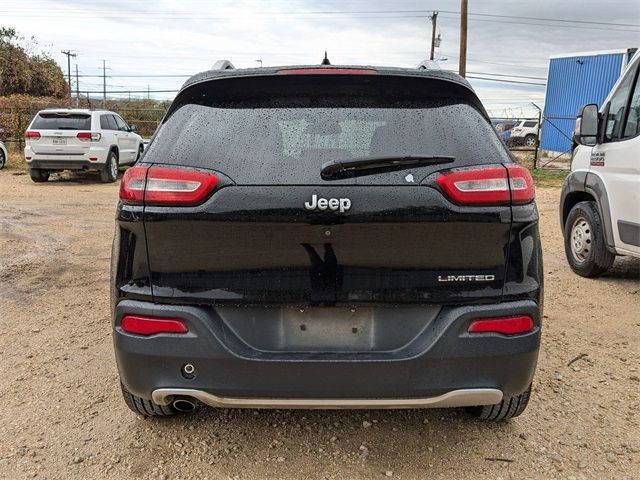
point(168, 186)
point(521, 184)
point(86, 136)
point(504, 325)
point(32, 135)
point(132, 185)
point(140, 325)
point(488, 186)
point(165, 186)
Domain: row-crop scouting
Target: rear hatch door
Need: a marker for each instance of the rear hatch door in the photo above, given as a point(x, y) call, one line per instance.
point(59, 133)
point(276, 232)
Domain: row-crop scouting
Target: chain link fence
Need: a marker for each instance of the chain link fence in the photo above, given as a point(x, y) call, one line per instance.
point(532, 155)
point(15, 119)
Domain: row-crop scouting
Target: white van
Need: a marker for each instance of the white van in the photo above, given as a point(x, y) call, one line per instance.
point(600, 203)
point(80, 139)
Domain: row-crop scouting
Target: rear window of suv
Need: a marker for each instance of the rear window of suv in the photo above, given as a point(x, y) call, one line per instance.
point(286, 138)
point(56, 121)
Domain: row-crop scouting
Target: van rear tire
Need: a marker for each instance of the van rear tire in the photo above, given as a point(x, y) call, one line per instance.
point(584, 243)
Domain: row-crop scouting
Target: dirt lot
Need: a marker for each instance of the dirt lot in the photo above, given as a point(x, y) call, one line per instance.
point(62, 416)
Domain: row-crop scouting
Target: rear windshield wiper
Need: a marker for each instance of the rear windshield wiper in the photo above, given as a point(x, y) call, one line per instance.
point(357, 167)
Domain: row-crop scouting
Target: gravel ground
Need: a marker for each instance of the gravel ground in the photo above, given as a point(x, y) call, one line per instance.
point(62, 416)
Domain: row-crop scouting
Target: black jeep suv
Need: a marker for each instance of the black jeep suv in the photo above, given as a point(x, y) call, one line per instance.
point(327, 237)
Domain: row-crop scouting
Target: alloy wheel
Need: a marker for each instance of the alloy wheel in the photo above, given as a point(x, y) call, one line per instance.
point(113, 167)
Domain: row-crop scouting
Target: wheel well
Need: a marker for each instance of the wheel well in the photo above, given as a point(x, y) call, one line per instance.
point(571, 200)
point(115, 149)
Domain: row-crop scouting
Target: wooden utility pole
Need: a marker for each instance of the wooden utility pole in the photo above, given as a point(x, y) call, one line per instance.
point(462, 66)
point(69, 55)
point(104, 82)
point(434, 19)
point(77, 88)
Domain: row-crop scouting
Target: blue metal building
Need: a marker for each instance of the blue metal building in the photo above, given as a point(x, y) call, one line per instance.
point(573, 81)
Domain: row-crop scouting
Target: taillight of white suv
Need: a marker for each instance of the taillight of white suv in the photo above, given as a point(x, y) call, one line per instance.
point(89, 136)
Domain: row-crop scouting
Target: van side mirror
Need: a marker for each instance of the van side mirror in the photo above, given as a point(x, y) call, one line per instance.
point(586, 131)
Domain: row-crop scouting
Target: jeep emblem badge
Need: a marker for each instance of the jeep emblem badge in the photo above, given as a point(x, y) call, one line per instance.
point(341, 204)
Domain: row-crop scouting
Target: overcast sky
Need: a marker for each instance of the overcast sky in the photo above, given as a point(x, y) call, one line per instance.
point(170, 37)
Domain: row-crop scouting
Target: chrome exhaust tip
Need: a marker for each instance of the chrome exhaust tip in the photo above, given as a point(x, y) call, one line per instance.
point(183, 404)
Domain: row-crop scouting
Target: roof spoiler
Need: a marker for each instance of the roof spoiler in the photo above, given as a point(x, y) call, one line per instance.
point(223, 65)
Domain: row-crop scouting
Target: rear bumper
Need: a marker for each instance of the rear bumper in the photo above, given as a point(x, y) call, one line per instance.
point(442, 366)
point(454, 398)
point(63, 161)
point(64, 164)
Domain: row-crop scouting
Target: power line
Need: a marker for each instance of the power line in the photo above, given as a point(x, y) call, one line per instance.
point(140, 76)
point(511, 22)
point(547, 19)
point(189, 76)
point(507, 75)
point(506, 81)
point(474, 77)
point(475, 60)
point(176, 14)
point(109, 92)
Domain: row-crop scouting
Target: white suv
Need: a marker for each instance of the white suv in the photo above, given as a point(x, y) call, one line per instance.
point(525, 133)
point(600, 202)
point(80, 139)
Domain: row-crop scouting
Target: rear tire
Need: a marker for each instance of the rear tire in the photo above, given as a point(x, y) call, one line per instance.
point(3, 159)
point(146, 408)
point(584, 242)
point(140, 151)
point(509, 407)
point(109, 173)
point(38, 175)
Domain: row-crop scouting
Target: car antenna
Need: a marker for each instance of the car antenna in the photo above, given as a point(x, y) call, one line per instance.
point(325, 60)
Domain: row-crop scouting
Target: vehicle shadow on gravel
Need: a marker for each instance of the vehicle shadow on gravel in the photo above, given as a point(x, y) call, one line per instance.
point(78, 178)
point(384, 440)
point(72, 177)
point(624, 268)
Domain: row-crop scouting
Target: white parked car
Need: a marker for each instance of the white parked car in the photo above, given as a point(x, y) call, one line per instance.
point(525, 133)
point(600, 202)
point(4, 155)
point(80, 139)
